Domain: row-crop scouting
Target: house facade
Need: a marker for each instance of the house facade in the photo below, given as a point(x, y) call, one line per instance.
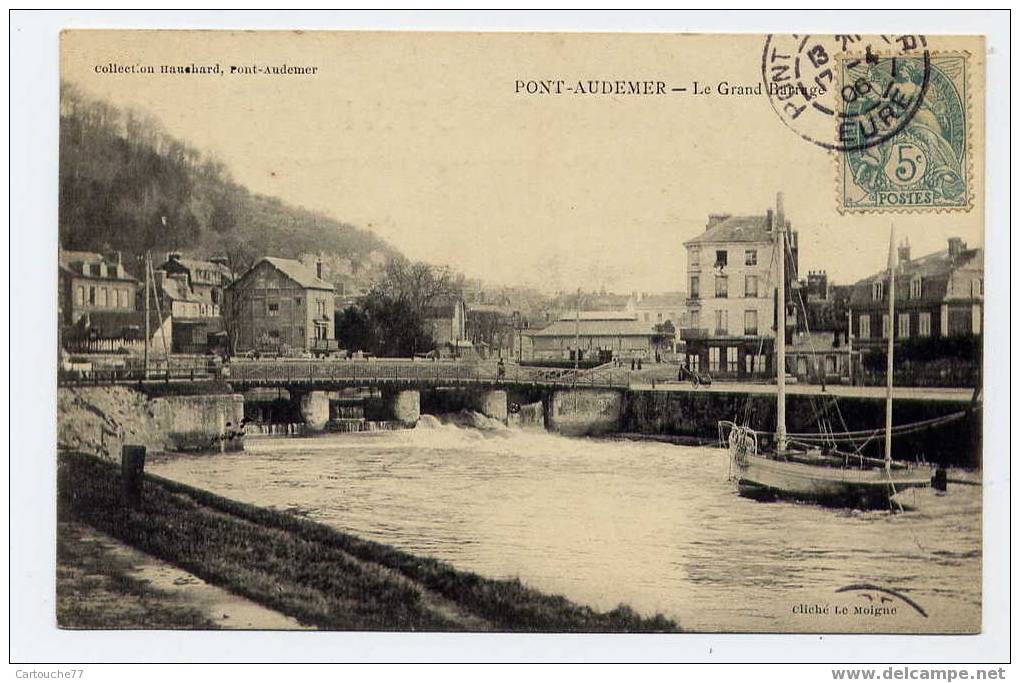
point(446, 322)
point(280, 305)
point(730, 313)
point(207, 280)
point(90, 282)
point(937, 295)
point(597, 335)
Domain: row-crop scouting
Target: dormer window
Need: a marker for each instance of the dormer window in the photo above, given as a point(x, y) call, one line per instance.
point(877, 291)
point(85, 269)
point(915, 287)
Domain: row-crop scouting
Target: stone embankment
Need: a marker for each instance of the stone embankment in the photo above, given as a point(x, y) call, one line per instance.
point(101, 419)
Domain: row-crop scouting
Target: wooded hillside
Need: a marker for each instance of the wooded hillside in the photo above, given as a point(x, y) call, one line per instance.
point(126, 185)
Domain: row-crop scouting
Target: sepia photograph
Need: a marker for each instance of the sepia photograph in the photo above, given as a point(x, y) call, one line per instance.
point(520, 332)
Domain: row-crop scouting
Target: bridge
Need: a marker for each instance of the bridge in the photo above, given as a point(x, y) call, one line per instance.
point(333, 374)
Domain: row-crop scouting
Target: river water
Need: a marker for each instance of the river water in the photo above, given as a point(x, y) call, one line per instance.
point(604, 522)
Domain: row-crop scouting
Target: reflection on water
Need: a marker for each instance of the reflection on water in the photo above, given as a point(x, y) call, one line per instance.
point(653, 525)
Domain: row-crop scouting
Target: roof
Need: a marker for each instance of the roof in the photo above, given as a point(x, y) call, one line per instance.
point(736, 229)
point(599, 315)
point(295, 270)
point(195, 265)
point(178, 290)
point(71, 261)
point(595, 328)
point(934, 269)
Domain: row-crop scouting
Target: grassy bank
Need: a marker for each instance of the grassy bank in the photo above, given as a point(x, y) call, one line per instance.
point(318, 575)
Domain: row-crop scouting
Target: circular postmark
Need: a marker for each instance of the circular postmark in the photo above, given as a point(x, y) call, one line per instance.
point(842, 92)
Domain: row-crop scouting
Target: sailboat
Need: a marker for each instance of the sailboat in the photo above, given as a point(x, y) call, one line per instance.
point(777, 466)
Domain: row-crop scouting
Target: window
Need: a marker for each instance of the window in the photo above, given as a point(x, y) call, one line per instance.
point(722, 286)
point(885, 326)
point(321, 304)
point(924, 324)
point(975, 287)
point(122, 298)
point(713, 359)
point(274, 334)
point(750, 257)
point(272, 309)
point(915, 287)
point(903, 325)
point(732, 360)
point(695, 257)
point(720, 258)
point(695, 287)
point(695, 319)
point(751, 322)
point(751, 286)
point(720, 322)
point(865, 327)
point(692, 361)
point(79, 296)
point(830, 365)
point(92, 296)
point(877, 289)
point(104, 299)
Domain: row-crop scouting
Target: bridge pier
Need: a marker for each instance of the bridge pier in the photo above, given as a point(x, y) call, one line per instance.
point(315, 409)
point(404, 405)
point(584, 412)
point(491, 403)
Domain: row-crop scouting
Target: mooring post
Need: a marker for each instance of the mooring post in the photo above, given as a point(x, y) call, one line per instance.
point(132, 466)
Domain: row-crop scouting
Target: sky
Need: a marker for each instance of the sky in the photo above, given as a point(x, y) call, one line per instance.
point(423, 140)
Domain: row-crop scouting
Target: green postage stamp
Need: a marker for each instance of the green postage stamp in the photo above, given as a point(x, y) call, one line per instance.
point(904, 133)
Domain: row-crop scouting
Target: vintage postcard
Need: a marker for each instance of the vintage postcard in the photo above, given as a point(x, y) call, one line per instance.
point(520, 332)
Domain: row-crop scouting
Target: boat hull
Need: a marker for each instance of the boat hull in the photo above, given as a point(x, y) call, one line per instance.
point(762, 477)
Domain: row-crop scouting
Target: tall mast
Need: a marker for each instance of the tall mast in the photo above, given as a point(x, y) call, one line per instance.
point(850, 344)
point(889, 348)
point(781, 327)
point(577, 333)
point(145, 358)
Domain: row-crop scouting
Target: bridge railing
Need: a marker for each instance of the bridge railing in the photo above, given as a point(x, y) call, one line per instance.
point(405, 372)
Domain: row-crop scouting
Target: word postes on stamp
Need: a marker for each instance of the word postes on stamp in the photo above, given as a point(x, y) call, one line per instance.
point(924, 165)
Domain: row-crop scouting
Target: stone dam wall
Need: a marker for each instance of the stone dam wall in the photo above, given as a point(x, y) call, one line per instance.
point(100, 420)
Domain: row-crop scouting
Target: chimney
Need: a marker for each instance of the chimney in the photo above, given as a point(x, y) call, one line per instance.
point(903, 251)
point(715, 218)
point(780, 214)
point(956, 247)
point(318, 269)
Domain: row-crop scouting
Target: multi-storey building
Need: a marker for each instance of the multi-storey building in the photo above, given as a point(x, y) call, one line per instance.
point(90, 282)
point(278, 305)
point(205, 279)
point(937, 295)
point(732, 274)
